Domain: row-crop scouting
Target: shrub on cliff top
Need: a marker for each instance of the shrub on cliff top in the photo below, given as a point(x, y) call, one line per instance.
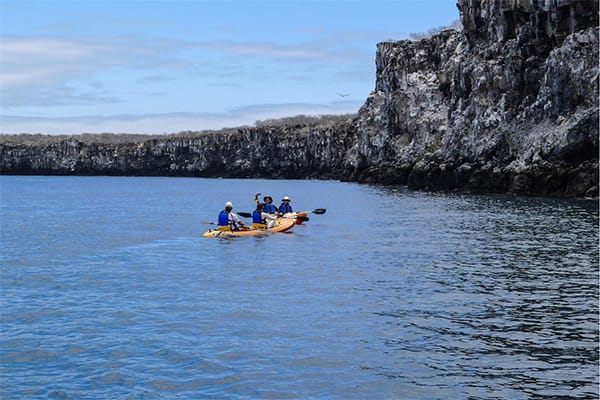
point(296, 122)
point(305, 120)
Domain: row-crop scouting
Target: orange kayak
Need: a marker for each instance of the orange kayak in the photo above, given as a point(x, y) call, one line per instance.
point(281, 225)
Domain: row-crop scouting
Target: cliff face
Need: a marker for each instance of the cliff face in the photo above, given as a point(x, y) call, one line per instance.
point(266, 152)
point(510, 104)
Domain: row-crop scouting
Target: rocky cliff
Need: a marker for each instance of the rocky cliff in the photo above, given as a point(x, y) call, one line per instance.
point(275, 151)
point(509, 104)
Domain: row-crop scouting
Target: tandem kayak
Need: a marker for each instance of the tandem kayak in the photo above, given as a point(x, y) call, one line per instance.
point(281, 225)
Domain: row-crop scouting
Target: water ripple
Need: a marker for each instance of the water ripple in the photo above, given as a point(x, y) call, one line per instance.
point(107, 292)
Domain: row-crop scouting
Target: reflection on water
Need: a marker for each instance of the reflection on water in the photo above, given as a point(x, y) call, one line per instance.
point(108, 291)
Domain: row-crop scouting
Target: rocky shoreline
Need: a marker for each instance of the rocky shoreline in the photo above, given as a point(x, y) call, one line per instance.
point(507, 105)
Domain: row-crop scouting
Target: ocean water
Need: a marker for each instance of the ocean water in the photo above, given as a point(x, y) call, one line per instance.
point(108, 291)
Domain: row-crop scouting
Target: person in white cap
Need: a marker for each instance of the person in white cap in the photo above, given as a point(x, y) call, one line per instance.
point(285, 206)
point(228, 220)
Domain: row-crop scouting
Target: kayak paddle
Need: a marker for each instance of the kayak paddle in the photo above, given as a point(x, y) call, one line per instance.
point(315, 211)
point(248, 215)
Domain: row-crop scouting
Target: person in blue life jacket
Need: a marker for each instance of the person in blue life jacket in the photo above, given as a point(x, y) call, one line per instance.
point(269, 207)
point(262, 219)
point(228, 220)
point(285, 206)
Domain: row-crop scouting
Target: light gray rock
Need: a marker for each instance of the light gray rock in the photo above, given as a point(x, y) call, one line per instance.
point(518, 87)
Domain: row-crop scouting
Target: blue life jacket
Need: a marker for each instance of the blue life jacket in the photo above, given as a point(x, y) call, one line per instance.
point(285, 208)
point(224, 218)
point(270, 208)
point(257, 218)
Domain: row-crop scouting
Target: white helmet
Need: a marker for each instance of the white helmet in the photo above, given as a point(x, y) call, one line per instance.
point(286, 198)
point(229, 204)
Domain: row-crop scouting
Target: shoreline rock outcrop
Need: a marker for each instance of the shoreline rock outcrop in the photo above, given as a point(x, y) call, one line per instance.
point(275, 151)
point(507, 105)
point(510, 104)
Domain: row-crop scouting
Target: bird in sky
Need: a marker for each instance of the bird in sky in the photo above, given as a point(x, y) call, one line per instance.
point(342, 94)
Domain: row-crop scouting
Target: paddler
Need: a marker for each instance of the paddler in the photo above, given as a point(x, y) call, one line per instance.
point(261, 219)
point(228, 220)
point(269, 207)
point(285, 206)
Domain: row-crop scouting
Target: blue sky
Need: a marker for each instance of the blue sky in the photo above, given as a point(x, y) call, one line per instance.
point(168, 66)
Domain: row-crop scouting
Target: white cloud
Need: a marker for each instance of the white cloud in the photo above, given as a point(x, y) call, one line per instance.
point(42, 71)
point(69, 72)
point(38, 71)
point(29, 62)
point(14, 48)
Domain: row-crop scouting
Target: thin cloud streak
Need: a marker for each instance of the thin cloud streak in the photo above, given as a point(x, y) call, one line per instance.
point(35, 70)
point(29, 62)
point(320, 51)
point(53, 72)
point(15, 49)
point(167, 122)
point(272, 50)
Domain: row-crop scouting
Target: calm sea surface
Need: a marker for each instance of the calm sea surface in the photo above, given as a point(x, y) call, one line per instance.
point(108, 291)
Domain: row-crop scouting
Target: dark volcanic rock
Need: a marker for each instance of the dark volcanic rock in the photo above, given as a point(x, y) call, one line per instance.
point(269, 151)
point(510, 104)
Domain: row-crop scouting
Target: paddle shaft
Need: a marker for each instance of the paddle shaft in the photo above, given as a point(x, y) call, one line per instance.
point(317, 211)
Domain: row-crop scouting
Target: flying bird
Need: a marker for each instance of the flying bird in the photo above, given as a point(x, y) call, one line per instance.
point(342, 94)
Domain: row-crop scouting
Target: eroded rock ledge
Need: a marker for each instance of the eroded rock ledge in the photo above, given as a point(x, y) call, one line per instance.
point(509, 104)
point(278, 151)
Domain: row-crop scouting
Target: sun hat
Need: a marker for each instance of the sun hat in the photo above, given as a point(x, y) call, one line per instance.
point(286, 198)
point(229, 204)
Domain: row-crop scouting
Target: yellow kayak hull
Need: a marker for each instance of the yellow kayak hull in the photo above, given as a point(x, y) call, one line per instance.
point(281, 225)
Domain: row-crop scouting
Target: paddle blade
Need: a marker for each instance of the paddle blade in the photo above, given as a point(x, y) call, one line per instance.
point(244, 214)
point(319, 211)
